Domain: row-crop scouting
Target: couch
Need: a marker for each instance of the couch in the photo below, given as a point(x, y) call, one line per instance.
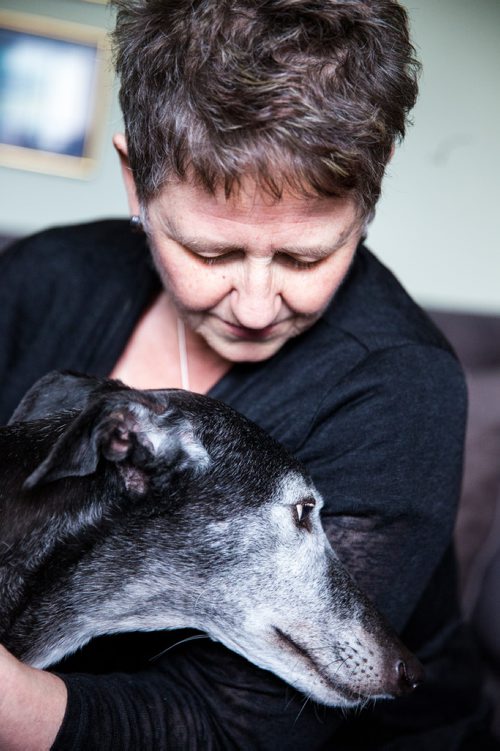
point(476, 339)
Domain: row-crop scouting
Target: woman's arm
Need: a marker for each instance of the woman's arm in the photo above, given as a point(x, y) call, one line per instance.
point(386, 454)
point(32, 706)
point(198, 698)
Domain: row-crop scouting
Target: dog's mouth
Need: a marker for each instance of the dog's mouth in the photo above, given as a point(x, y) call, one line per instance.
point(346, 693)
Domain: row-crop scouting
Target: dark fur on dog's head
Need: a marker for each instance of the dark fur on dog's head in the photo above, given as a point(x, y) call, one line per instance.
point(138, 430)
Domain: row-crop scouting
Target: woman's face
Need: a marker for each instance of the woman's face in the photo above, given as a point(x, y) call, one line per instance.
point(249, 272)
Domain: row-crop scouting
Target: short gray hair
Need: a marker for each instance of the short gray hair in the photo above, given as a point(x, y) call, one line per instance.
point(308, 95)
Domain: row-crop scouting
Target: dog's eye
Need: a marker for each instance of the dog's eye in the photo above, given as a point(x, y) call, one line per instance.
point(303, 511)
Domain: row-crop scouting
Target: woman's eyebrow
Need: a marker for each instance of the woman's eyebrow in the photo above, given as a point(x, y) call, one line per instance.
point(195, 244)
point(319, 250)
point(205, 246)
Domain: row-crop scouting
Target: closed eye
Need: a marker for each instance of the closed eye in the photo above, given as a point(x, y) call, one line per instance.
point(297, 263)
point(233, 255)
point(285, 259)
point(218, 256)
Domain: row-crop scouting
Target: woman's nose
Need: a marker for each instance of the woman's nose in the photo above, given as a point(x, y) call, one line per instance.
point(255, 298)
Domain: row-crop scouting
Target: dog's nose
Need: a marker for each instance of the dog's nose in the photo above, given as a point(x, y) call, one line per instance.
point(408, 674)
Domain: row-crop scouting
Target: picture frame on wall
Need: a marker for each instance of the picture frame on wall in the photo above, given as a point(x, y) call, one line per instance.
point(54, 92)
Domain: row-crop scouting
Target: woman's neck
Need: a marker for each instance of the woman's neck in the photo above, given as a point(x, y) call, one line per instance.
point(156, 356)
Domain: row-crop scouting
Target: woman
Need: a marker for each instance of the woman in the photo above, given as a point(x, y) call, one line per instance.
point(257, 134)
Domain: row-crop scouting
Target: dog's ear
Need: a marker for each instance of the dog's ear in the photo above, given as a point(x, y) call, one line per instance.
point(58, 392)
point(127, 432)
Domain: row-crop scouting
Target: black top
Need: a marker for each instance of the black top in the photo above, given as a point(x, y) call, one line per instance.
point(372, 400)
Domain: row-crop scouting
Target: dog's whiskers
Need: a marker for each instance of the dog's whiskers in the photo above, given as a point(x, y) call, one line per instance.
point(177, 644)
point(308, 697)
point(340, 662)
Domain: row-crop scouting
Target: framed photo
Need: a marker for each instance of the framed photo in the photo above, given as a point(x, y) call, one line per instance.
point(54, 89)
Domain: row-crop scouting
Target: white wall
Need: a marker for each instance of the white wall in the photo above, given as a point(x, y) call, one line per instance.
point(436, 222)
point(436, 225)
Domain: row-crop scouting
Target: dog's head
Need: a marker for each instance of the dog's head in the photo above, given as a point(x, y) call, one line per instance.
point(216, 527)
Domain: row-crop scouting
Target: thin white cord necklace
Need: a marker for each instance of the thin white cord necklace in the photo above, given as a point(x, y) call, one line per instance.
point(183, 358)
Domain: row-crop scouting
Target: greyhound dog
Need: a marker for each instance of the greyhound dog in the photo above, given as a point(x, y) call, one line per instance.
point(125, 510)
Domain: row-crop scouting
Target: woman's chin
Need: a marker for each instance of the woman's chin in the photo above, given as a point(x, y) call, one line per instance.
point(243, 350)
point(238, 344)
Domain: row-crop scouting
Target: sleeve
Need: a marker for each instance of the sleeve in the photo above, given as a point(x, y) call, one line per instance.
point(70, 296)
point(386, 453)
point(30, 316)
point(201, 698)
point(13, 324)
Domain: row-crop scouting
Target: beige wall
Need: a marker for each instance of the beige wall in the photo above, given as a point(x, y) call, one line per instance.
point(436, 223)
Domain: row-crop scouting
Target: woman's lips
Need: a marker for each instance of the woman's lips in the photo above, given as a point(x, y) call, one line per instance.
point(241, 332)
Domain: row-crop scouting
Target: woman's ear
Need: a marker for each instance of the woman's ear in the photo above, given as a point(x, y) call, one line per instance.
point(120, 144)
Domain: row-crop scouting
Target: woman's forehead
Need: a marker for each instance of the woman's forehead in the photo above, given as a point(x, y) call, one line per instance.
point(248, 203)
point(289, 225)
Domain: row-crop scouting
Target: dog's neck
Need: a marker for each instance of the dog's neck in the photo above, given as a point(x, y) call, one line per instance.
point(33, 524)
point(54, 543)
point(33, 521)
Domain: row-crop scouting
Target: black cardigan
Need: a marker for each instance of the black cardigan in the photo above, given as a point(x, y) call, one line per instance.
point(373, 401)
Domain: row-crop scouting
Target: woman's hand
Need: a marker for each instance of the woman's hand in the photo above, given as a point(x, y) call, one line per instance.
point(32, 705)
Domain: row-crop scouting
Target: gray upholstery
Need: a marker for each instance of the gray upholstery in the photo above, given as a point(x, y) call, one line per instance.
point(476, 340)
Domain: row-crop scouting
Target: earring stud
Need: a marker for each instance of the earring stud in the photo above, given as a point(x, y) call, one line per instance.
point(136, 223)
